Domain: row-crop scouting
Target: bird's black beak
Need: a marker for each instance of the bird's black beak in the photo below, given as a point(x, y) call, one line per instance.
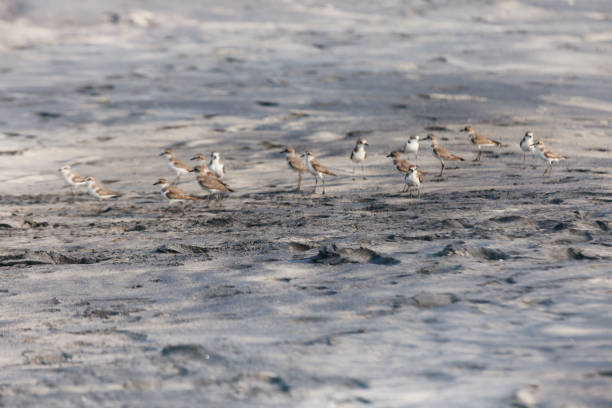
point(194, 158)
point(389, 155)
point(303, 155)
point(156, 183)
point(161, 154)
point(366, 143)
point(285, 151)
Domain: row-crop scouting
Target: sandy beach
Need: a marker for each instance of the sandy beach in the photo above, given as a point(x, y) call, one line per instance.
point(493, 289)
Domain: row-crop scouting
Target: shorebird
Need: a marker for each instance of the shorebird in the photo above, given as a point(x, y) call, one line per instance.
point(548, 156)
point(403, 166)
point(295, 164)
point(316, 169)
point(412, 146)
point(413, 179)
point(216, 166)
point(358, 156)
point(209, 182)
point(99, 192)
point(440, 152)
point(479, 141)
point(72, 179)
point(527, 144)
point(201, 157)
point(173, 195)
point(175, 165)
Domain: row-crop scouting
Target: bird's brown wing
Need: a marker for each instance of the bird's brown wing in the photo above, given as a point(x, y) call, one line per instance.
point(103, 192)
point(320, 168)
point(212, 182)
point(179, 164)
point(445, 154)
point(77, 179)
point(402, 165)
point(174, 193)
point(479, 139)
point(552, 155)
point(420, 176)
point(296, 163)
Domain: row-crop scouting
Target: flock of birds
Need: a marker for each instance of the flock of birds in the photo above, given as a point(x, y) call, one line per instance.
point(210, 175)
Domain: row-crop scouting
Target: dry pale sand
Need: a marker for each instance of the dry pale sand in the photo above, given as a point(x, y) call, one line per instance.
point(493, 289)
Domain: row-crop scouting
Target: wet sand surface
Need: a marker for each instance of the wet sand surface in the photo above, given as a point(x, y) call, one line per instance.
point(492, 289)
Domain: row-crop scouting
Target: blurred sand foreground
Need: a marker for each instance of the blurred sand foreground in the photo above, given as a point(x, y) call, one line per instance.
point(491, 290)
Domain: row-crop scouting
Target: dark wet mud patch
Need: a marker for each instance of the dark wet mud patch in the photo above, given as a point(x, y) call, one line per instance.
point(224, 291)
point(24, 258)
point(332, 338)
point(511, 219)
point(190, 352)
point(334, 255)
point(490, 254)
point(298, 246)
point(582, 255)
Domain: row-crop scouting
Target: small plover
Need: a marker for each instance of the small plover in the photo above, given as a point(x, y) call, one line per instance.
point(413, 180)
point(316, 169)
point(358, 156)
point(216, 166)
point(175, 164)
point(173, 195)
point(209, 182)
point(527, 144)
point(201, 157)
point(440, 152)
point(99, 192)
point(412, 146)
point(401, 165)
point(479, 141)
point(295, 164)
point(547, 155)
point(72, 179)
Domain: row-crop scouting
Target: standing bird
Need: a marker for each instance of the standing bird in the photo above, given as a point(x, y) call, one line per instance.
point(295, 164)
point(547, 155)
point(175, 165)
point(209, 182)
point(479, 140)
point(316, 169)
point(173, 195)
point(401, 165)
point(413, 179)
point(99, 192)
point(71, 178)
point(412, 146)
point(201, 157)
point(527, 144)
point(358, 156)
point(216, 166)
point(440, 152)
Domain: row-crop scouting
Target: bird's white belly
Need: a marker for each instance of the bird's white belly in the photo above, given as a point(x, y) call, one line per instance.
point(412, 147)
point(412, 179)
point(359, 156)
